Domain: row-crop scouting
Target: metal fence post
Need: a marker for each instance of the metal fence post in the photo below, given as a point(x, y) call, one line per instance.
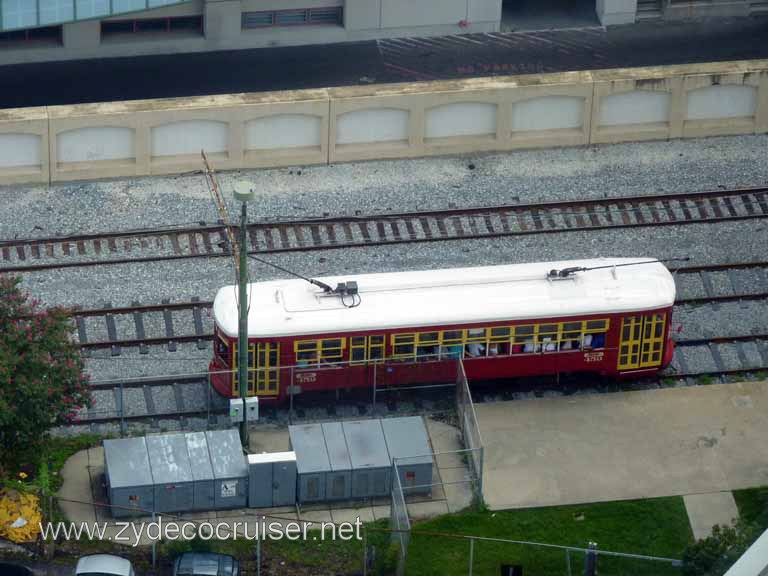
point(471, 555)
point(154, 546)
point(208, 405)
point(568, 561)
point(290, 394)
point(258, 556)
point(122, 410)
point(374, 388)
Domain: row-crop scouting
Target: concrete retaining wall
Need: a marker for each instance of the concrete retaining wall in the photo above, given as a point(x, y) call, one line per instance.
point(165, 136)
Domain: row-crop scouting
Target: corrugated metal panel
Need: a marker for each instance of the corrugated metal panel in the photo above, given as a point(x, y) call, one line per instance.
point(128, 462)
point(407, 438)
point(199, 458)
point(129, 477)
point(169, 459)
point(230, 469)
point(312, 461)
point(370, 459)
point(338, 485)
point(172, 473)
point(408, 443)
point(311, 452)
point(226, 451)
point(367, 448)
point(202, 470)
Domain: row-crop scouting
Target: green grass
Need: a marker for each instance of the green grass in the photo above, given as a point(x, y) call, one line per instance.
point(753, 505)
point(656, 527)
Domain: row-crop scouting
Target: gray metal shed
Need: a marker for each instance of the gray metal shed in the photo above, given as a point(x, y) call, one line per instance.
point(128, 476)
point(370, 459)
point(171, 472)
point(408, 443)
point(271, 479)
point(202, 471)
point(338, 481)
point(312, 462)
point(230, 469)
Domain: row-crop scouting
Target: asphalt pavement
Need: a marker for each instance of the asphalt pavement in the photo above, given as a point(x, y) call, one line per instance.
point(382, 61)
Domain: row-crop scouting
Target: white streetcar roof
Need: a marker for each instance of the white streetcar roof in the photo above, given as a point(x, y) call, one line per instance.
point(450, 296)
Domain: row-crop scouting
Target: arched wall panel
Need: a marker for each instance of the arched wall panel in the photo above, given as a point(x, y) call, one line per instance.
point(548, 113)
point(372, 125)
point(20, 150)
point(461, 119)
point(96, 143)
point(189, 137)
point(283, 131)
point(722, 101)
point(636, 107)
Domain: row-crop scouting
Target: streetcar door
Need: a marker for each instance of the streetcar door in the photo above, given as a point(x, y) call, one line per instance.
point(642, 341)
point(267, 373)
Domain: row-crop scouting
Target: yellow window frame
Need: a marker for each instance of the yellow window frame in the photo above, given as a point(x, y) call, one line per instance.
point(236, 371)
point(405, 339)
point(321, 354)
point(267, 372)
point(652, 346)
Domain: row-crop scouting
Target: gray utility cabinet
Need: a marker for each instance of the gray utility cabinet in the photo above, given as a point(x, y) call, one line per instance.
point(408, 446)
point(202, 471)
point(171, 472)
point(370, 460)
point(338, 481)
point(230, 470)
point(271, 479)
point(312, 464)
point(128, 477)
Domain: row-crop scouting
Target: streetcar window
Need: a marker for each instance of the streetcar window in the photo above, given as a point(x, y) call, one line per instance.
point(357, 349)
point(597, 325)
point(375, 347)
point(221, 347)
point(453, 337)
point(476, 335)
point(403, 345)
point(523, 334)
point(500, 334)
point(428, 344)
point(332, 349)
point(306, 351)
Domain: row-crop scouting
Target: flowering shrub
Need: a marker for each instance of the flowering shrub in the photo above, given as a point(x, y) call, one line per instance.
point(41, 372)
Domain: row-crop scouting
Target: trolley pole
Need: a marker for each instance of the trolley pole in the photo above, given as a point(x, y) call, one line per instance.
point(243, 193)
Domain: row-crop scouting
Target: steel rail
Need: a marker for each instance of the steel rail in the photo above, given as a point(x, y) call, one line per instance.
point(385, 229)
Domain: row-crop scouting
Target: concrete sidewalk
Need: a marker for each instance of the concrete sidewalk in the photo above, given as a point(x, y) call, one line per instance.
point(621, 446)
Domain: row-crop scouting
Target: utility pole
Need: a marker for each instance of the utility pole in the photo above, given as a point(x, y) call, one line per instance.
point(244, 193)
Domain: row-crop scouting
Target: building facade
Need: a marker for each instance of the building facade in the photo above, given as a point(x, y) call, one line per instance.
point(51, 30)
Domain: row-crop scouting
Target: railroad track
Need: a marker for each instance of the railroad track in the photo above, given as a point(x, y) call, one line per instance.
point(161, 398)
point(190, 397)
point(36, 254)
point(173, 323)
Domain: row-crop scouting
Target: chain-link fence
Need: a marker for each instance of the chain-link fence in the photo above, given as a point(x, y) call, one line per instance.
point(469, 428)
point(399, 521)
point(474, 555)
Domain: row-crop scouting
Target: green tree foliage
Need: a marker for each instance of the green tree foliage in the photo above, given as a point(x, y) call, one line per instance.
point(41, 372)
point(712, 556)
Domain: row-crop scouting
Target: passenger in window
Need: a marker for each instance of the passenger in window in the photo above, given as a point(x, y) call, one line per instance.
point(451, 352)
point(588, 341)
point(475, 350)
point(493, 350)
point(517, 349)
point(549, 346)
point(528, 347)
point(598, 340)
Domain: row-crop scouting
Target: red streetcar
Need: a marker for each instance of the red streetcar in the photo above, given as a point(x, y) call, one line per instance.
point(609, 316)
